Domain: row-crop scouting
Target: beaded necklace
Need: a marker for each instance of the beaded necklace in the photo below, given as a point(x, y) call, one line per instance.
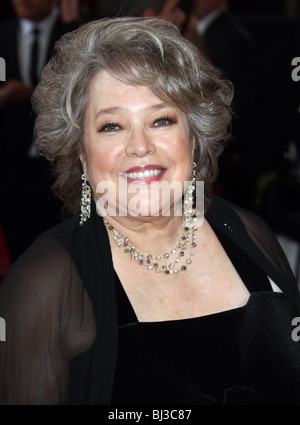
point(186, 241)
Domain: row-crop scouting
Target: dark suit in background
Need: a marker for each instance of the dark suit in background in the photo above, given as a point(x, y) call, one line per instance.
point(230, 47)
point(27, 206)
point(277, 161)
point(267, 128)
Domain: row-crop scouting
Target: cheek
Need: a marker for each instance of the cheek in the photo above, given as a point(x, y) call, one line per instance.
point(184, 154)
point(184, 147)
point(101, 162)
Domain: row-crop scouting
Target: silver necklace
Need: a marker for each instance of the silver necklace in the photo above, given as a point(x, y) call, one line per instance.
point(152, 262)
point(187, 240)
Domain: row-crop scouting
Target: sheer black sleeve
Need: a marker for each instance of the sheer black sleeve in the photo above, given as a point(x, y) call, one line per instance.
point(49, 320)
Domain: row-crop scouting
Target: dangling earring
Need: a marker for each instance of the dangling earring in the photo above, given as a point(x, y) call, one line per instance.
point(194, 185)
point(189, 201)
point(85, 201)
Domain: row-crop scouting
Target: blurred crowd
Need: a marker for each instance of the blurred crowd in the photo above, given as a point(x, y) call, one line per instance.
point(252, 43)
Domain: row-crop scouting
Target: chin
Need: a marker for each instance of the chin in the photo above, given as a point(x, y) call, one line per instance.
point(142, 208)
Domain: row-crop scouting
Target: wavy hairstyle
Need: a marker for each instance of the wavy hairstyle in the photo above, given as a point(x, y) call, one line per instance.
point(137, 51)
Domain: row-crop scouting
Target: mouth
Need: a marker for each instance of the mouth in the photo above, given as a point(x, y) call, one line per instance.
point(145, 174)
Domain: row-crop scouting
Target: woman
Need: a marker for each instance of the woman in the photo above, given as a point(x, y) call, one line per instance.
point(137, 307)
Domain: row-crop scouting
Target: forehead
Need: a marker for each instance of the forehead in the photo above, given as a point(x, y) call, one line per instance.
point(108, 90)
point(108, 95)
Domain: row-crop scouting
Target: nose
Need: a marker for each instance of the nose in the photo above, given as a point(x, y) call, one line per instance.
point(139, 144)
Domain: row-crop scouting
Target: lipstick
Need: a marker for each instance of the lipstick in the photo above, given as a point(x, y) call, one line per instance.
point(144, 175)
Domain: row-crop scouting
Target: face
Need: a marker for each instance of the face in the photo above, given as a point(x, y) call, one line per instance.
point(35, 10)
point(171, 12)
point(133, 140)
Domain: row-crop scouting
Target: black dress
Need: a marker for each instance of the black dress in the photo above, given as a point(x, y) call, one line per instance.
point(241, 356)
point(69, 339)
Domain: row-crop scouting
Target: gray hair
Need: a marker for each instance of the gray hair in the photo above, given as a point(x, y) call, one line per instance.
point(137, 51)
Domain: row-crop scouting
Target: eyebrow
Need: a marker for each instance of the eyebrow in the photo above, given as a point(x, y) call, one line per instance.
point(116, 109)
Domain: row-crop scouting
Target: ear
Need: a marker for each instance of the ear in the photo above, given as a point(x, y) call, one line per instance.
point(149, 13)
point(83, 161)
point(193, 142)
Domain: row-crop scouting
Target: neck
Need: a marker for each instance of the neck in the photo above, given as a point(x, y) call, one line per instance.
point(177, 258)
point(160, 232)
point(149, 234)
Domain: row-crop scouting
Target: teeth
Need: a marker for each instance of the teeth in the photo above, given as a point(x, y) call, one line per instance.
point(141, 174)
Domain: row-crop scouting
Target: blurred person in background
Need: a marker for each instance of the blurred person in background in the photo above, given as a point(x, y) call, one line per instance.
point(230, 47)
point(123, 307)
point(164, 9)
point(26, 43)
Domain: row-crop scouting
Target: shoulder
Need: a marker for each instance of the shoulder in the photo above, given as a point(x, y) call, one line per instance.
point(63, 231)
point(223, 210)
point(245, 223)
point(255, 237)
point(44, 276)
point(48, 259)
point(249, 230)
point(48, 314)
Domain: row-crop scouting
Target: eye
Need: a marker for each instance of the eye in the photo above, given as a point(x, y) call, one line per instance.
point(108, 127)
point(161, 122)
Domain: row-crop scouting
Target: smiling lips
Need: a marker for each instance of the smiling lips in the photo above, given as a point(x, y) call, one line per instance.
point(149, 173)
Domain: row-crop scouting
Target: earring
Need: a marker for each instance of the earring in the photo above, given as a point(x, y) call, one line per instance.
point(189, 201)
point(194, 185)
point(85, 201)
